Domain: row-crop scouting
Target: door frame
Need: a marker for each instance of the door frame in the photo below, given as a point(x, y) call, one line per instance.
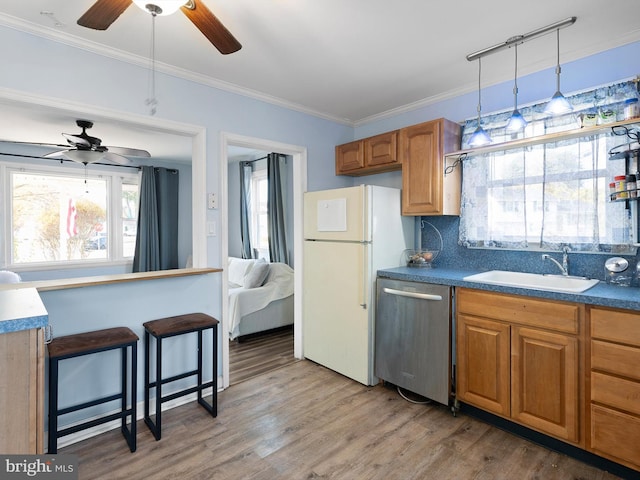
point(299, 155)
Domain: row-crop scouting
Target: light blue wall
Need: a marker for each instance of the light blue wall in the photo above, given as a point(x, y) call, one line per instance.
point(32, 65)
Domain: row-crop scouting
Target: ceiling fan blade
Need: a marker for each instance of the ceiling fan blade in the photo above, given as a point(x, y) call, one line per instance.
point(211, 27)
point(76, 140)
point(56, 154)
point(115, 158)
point(129, 152)
point(103, 13)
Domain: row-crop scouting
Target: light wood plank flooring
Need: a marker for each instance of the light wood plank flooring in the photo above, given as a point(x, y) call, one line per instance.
point(260, 354)
point(303, 421)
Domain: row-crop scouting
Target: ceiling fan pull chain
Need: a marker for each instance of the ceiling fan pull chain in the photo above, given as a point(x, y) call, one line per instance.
point(151, 101)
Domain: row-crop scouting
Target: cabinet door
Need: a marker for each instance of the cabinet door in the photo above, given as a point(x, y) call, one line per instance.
point(382, 151)
point(421, 171)
point(349, 157)
point(21, 392)
point(483, 363)
point(544, 378)
point(425, 188)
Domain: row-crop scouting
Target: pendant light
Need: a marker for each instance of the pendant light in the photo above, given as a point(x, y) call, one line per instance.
point(558, 105)
point(479, 137)
point(516, 122)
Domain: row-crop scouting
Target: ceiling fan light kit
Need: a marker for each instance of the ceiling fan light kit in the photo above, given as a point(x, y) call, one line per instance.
point(160, 7)
point(558, 104)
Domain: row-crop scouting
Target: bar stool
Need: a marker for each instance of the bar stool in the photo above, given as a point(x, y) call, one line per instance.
point(171, 327)
point(80, 344)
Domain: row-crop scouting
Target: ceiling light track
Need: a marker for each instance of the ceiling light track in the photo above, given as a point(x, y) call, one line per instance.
point(522, 38)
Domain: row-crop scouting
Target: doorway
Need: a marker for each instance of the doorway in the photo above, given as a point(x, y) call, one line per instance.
point(297, 154)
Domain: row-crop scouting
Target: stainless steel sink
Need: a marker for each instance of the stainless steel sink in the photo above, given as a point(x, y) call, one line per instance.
point(553, 283)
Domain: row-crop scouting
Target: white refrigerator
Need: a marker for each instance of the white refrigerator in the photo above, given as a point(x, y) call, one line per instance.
point(349, 234)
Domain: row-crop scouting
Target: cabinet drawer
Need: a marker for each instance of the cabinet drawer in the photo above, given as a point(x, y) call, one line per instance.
point(614, 358)
point(615, 435)
point(549, 314)
point(615, 392)
point(616, 325)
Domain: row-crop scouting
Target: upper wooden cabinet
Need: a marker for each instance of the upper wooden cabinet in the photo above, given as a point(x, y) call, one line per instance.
point(426, 188)
point(368, 156)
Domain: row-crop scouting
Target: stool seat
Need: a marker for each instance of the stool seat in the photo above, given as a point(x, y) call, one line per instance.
point(192, 322)
point(81, 343)
point(170, 327)
point(70, 346)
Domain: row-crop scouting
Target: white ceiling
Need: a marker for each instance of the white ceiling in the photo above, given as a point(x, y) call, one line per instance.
point(347, 60)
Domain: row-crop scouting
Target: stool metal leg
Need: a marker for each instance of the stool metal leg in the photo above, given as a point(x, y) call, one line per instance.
point(53, 406)
point(131, 432)
point(155, 427)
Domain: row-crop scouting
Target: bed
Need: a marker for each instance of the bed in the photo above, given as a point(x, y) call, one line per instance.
point(260, 296)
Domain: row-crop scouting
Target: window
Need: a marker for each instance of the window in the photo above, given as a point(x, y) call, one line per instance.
point(548, 196)
point(64, 215)
point(259, 212)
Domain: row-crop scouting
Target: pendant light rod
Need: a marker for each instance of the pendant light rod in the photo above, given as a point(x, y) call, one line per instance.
point(522, 38)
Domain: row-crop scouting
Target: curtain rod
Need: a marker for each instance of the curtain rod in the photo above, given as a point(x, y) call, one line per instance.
point(522, 38)
point(61, 160)
point(261, 158)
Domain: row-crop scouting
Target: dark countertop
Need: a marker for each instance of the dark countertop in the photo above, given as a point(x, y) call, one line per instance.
point(601, 294)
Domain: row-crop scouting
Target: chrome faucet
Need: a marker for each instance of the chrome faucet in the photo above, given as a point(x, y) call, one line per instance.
point(564, 267)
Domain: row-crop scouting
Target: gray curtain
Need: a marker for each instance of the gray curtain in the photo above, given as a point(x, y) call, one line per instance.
point(245, 209)
point(278, 250)
point(157, 236)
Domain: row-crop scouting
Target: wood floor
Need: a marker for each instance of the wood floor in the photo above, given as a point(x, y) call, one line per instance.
point(303, 421)
point(260, 354)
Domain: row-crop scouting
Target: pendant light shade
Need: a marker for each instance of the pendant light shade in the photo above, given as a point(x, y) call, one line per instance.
point(516, 121)
point(558, 105)
point(479, 137)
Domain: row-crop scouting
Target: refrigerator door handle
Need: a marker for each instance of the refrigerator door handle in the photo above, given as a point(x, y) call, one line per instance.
point(363, 302)
point(403, 293)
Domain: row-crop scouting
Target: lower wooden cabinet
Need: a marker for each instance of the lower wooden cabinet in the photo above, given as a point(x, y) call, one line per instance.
point(511, 362)
point(22, 392)
point(614, 413)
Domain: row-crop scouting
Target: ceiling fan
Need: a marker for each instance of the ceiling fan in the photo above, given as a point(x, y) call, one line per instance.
point(85, 149)
point(104, 12)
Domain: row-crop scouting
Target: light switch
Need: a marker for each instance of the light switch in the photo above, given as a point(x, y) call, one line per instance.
point(212, 201)
point(211, 229)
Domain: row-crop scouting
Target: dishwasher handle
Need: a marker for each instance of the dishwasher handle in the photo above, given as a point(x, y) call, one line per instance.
point(403, 293)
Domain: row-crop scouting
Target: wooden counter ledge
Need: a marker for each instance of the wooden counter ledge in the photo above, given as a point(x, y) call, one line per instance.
point(61, 284)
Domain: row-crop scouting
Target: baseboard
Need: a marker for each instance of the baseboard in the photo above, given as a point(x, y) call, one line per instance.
point(115, 424)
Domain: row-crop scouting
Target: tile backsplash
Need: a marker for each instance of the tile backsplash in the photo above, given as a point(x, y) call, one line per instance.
point(456, 256)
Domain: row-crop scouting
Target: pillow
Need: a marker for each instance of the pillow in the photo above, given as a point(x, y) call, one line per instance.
point(257, 275)
point(239, 268)
point(9, 277)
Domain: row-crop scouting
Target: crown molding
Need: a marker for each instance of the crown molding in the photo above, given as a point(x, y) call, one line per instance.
point(120, 55)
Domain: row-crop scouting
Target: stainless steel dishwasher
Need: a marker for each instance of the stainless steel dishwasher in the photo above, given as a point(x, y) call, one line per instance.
point(413, 337)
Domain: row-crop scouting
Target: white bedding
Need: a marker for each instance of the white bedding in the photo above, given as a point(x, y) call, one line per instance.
point(243, 301)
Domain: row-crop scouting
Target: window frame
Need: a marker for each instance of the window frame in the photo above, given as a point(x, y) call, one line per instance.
point(115, 180)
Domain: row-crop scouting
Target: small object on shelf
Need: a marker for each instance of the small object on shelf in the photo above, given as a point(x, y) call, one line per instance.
point(589, 119)
point(631, 186)
point(606, 116)
point(630, 108)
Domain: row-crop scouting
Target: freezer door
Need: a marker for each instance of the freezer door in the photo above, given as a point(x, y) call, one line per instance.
point(336, 320)
point(337, 214)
